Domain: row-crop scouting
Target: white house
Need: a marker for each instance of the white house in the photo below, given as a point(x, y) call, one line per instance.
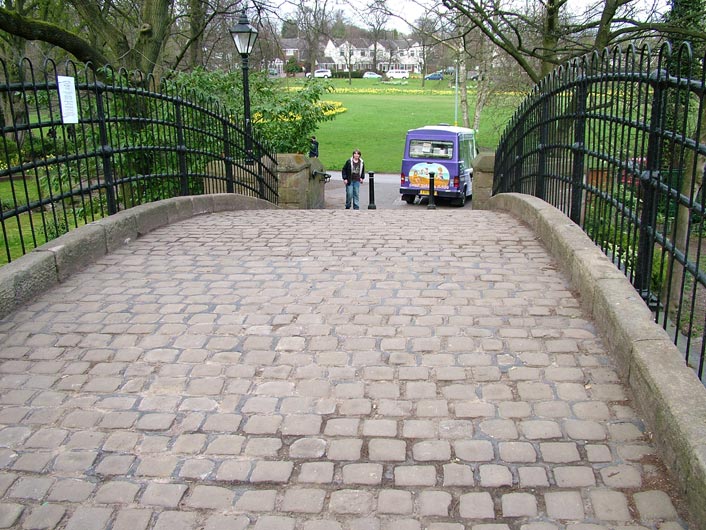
point(358, 55)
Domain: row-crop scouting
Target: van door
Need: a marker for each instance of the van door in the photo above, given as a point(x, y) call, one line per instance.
point(468, 154)
point(441, 150)
point(429, 156)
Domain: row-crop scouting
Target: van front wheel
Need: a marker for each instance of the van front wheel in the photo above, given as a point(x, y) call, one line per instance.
point(409, 199)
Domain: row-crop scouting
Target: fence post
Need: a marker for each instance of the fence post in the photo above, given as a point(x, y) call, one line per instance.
point(517, 166)
point(543, 140)
point(228, 161)
point(106, 151)
point(432, 203)
point(371, 190)
point(578, 149)
point(648, 189)
point(181, 151)
point(260, 178)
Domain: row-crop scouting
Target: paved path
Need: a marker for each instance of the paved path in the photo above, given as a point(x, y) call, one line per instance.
point(393, 369)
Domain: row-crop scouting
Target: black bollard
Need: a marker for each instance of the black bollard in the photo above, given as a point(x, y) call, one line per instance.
point(371, 176)
point(431, 205)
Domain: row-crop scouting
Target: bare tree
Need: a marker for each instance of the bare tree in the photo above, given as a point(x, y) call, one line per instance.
point(197, 24)
point(199, 34)
point(376, 18)
point(540, 40)
point(137, 35)
point(426, 32)
point(314, 18)
point(349, 57)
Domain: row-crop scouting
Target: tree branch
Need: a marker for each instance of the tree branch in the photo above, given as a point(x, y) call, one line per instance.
point(32, 29)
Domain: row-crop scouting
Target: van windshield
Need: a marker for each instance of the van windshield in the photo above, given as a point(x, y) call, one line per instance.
point(430, 149)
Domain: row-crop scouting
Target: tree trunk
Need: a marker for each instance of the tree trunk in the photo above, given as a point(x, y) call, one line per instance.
point(197, 20)
point(156, 21)
point(675, 270)
point(550, 37)
point(462, 74)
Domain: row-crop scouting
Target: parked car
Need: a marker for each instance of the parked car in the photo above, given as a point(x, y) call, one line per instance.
point(371, 75)
point(321, 73)
point(397, 74)
point(435, 76)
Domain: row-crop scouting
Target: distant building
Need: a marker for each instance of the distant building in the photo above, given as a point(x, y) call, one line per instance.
point(357, 54)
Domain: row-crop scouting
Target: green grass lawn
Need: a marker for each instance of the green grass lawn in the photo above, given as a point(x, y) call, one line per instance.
point(15, 230)
point(379, 115)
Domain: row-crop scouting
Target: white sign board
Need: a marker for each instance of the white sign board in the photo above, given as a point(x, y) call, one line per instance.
point(67, 98)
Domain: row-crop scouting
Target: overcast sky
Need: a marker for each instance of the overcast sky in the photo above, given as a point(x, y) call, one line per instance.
point(411, 10)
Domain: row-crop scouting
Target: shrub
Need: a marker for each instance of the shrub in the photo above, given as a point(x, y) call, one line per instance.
point(354, 74)
point(285, 119)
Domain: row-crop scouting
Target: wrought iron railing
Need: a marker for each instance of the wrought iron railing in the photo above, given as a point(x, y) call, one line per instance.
point(616, 140)
point(132, 142)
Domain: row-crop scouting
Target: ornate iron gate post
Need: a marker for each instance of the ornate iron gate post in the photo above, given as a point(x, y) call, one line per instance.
point(649, 182)
point(106, 151)
point(578, 150)
point(228, 159)
point(181, 151)
point(542, 150)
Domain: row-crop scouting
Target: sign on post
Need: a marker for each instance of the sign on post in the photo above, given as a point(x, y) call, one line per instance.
point(67, 99)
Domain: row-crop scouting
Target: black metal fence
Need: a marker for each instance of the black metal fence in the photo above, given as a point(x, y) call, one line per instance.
point(80, 145)
point(617, 141)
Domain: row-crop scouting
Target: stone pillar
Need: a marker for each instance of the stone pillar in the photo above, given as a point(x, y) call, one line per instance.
point(299, 187)
point(483, 168)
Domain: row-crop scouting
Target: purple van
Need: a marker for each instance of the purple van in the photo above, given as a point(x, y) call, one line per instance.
point(445, 150)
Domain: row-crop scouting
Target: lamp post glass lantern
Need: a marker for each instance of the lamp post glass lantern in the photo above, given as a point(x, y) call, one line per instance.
point(244, 36)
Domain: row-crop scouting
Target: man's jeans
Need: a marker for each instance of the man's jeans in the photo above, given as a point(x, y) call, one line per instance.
point(353, 195)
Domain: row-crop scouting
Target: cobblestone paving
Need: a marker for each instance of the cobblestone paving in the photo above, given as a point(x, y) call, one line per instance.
point(321, 370)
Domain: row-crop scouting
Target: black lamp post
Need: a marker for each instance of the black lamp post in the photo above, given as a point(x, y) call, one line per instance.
point(244, 36)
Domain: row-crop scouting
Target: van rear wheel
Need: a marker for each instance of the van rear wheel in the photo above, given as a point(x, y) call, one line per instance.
point(461, 201)
point(409, 199)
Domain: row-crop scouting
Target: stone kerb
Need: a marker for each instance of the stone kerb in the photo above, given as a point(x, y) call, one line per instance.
point(669, 395)
point(53, 262)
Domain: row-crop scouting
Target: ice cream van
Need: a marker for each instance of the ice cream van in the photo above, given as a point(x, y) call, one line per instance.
point(445, 150)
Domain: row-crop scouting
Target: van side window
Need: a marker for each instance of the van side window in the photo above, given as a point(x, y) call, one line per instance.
point(431, 149)
point(467, 150)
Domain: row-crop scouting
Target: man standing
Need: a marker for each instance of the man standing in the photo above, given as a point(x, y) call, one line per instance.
point(353, 173)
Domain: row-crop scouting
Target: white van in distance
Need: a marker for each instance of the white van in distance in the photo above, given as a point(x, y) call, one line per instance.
point(397, 74)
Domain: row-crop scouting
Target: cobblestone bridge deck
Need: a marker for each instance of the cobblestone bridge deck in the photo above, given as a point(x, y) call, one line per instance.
point(322, 370)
